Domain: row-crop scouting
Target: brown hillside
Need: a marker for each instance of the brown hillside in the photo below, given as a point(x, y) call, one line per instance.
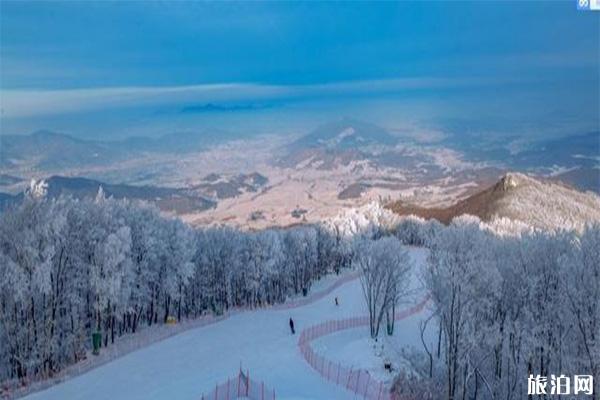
point(482, 204)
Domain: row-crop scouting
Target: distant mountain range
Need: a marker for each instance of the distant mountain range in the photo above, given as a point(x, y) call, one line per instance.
point(573, 159)
point(44, 149)
point(538, 203)
point(361, 148)
point(7, 180)
point(336, 143)
point(577, 155)
point(47, 150)
point(346, 133)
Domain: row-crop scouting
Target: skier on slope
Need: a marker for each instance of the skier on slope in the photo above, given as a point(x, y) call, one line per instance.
point(292, 326)
point(336, 301)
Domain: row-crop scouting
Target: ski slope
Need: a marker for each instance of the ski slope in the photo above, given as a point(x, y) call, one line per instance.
point(191, 363)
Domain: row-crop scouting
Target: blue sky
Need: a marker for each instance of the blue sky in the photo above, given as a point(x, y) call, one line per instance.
point(278, 64)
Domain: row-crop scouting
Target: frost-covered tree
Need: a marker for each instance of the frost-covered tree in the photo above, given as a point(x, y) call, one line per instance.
point(506, 304)
point(385, 273)
point(582, 288)
point(69, 268)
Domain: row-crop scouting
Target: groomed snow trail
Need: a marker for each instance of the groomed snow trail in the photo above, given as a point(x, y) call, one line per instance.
point(191, 363)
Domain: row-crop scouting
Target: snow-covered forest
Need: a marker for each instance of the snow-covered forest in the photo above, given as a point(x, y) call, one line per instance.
point(69, 268)
point(504, 307)
point(506, 301)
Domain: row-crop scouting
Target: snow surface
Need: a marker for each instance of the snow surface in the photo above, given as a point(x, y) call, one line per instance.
point(191, 363)
point(354, 347)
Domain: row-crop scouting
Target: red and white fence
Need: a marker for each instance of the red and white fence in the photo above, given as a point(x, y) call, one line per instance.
point(240, 387)
point(356, 380)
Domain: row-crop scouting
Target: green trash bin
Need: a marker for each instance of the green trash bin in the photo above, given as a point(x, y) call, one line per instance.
point(96, 342)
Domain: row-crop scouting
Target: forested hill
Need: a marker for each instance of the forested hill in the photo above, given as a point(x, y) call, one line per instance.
point(517, 197)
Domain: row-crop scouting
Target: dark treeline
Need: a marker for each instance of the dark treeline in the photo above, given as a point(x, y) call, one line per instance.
point(69, 268)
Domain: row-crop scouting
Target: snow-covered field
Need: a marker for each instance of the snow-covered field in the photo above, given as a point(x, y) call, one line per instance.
point(187, 365)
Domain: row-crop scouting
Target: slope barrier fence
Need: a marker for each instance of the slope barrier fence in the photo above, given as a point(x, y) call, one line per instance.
point(145, 337)
point(240, 387)
point(357, 381)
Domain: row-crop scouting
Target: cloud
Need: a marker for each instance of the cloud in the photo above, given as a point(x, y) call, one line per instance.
point(212, 107)
point(18, 103)
point(27, 103)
